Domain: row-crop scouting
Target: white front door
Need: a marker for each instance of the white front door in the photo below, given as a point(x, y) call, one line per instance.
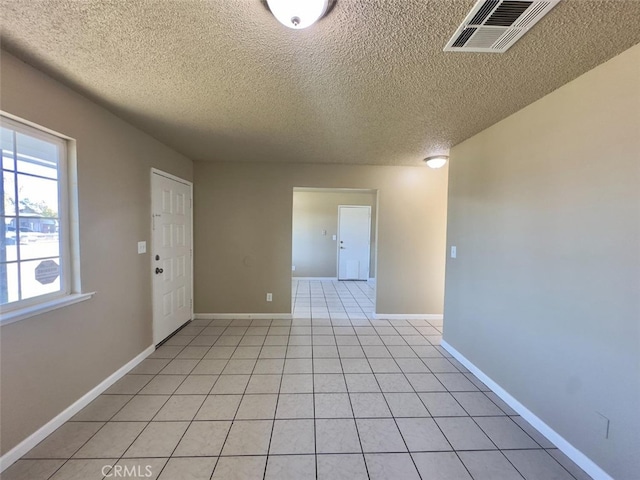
point(170, 254)
point(354, 235)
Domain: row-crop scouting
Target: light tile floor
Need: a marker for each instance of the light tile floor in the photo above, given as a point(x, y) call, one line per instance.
point(331, 394)
point(332, 299)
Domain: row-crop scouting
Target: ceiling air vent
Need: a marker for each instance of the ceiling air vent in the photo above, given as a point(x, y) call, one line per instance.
point(494, 25)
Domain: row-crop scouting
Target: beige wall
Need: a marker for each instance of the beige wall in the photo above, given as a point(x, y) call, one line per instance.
point(51, 360)
point(544, 208)
point(315, 254)
point(243, 220)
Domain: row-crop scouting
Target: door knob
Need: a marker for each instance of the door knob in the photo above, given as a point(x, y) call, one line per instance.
point(159, 270)
point(343, 248)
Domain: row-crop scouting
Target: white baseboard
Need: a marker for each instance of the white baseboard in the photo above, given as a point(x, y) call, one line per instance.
point(317, 279)
point(47, 429)
point(243, 316)
point(554, 437)
point(407, 316)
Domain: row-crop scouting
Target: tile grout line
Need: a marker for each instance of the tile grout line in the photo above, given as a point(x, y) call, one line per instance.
point(241, 398)
point(116, 413)
point(313, 398)
point(182, 436)
point(364, 460)
point(239, 403)
point(391, 411)
point(427, 409)
point(200, 407)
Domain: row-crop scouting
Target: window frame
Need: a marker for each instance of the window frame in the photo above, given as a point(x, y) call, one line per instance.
point(68, 231)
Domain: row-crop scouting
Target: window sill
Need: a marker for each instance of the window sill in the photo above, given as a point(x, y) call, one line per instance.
point(22, 313)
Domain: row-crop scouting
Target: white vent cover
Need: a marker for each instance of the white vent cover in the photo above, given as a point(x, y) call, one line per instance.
point(494, 25)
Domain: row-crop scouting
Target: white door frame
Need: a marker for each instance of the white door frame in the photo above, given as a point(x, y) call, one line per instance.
point(368, 207)
point(155, 171)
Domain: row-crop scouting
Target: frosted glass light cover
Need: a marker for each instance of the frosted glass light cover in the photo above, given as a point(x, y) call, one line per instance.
point(436, 162)
point(297, 14)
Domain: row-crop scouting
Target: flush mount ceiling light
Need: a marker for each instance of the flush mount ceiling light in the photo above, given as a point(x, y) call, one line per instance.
point(298, 14)
point(436, 161)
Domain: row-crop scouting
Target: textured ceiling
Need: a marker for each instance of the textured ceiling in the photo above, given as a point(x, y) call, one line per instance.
point(368, 84)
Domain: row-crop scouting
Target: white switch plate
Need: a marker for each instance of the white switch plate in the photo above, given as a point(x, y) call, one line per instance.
point(453, 251)
point(142, 247)
point(335, 237)
point(293, 268)
point(604, 424)
point(269, 297)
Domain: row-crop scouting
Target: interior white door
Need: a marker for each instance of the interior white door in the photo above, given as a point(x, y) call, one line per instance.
point(171, 254)
point(354, 245)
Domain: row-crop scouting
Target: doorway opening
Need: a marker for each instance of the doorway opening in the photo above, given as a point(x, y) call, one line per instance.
point(334, 240)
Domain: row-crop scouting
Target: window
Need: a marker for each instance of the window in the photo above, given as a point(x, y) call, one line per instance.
point(35, 238)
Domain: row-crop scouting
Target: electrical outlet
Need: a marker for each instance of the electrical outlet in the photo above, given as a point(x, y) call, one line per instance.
point(142, 247)
point(269, 297)
point(454, 251)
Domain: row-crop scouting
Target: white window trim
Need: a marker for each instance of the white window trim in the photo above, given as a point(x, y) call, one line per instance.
point(43, 307)
point(70, 291)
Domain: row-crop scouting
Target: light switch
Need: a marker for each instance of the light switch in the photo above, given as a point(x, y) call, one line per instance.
point(335, 237)
point(142, 247)
point(604, 424)
point(453, 251)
